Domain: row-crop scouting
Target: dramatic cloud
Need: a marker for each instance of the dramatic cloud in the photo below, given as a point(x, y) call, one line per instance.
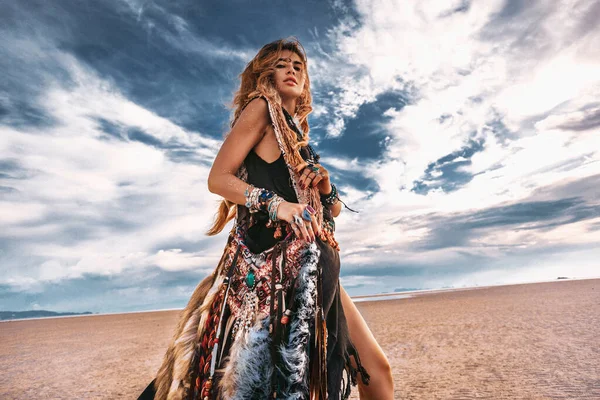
point(501, 104)
point(466, 135)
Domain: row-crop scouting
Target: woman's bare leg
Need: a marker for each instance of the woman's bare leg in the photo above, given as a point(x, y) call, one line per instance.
point(372, 358)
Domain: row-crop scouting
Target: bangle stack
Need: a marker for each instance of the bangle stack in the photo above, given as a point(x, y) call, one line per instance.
point(331, 198)
point(263, 200)
point(257, 199)
point(273, 207)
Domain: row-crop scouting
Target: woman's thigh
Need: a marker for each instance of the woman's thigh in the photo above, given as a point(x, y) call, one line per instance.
point(372, 357)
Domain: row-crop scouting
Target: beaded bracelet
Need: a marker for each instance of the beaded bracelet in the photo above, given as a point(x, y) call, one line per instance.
point(331, 198)
point(258, 199)
point(273, 204)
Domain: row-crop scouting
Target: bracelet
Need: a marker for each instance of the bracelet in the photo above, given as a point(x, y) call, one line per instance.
point(258, 199)
point(273, 204)
point(331, 198)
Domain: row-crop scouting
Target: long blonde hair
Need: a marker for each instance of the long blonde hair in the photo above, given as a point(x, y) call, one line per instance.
point(257, 80)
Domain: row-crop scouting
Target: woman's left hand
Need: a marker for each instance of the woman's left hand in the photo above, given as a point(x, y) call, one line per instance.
point(308, 176)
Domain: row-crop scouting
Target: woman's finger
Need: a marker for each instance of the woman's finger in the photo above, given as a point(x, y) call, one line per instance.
point(315, 225)
point(301, 178)
point(322, 169)
point(317, 179)
point(323, 172)
point(300, 167)
point(303, 230)
point(306, 233)
point(314, 176)
point(295, 229)
point(304, 181)
point(310, 231)
point(309, 178)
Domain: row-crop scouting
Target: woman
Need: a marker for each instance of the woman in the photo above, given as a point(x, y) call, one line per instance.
point(272, 321)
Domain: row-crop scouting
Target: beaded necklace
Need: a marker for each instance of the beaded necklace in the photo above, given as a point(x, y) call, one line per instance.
point(313, 156)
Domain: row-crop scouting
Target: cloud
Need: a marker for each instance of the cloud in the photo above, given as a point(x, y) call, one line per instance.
point(583, 120)
point(500, 107)
point(99, 189)
point(133, 289)
point(464, 133)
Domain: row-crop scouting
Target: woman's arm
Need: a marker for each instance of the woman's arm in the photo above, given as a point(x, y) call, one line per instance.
point(336, 209)
point(248, 130)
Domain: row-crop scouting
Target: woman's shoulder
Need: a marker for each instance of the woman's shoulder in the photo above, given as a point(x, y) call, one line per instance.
point(255, 113)
point(259, 101)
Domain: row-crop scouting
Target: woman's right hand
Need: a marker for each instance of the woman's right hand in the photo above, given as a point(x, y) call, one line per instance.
point(307, 230)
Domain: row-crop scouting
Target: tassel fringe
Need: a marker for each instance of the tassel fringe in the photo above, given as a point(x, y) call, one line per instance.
point(293, 352)
point(171, 380)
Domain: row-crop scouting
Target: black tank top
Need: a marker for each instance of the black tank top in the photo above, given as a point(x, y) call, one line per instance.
point(273, 176)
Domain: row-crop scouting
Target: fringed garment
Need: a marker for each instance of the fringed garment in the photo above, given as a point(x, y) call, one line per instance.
point(268, 322)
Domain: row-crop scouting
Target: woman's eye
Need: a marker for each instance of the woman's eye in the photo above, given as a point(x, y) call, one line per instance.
point(297, 68)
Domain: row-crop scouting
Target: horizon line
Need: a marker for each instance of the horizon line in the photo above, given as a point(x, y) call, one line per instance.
point(361, 298)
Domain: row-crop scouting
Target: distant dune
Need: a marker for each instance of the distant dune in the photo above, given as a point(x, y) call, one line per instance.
point(7, 315)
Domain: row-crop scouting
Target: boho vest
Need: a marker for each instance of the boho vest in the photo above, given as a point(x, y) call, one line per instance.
point(249, 297)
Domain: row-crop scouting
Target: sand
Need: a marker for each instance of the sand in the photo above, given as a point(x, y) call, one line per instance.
point(529, 341)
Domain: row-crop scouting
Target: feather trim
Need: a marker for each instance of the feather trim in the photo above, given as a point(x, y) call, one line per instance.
point(164, 376)
point(293, 352)
point(248, 370)
point(172, 377)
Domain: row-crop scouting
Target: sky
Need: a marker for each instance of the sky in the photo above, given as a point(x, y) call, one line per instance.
point(465, 134)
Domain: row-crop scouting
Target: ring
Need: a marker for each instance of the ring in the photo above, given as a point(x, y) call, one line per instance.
point(297, 219)
point(306, 215)
point(314, 168)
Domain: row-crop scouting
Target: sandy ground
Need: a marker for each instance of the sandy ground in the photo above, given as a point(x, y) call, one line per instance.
point(531, 341)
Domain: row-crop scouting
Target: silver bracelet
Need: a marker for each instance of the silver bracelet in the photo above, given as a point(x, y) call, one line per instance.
point(258, 199)
point(273, 204)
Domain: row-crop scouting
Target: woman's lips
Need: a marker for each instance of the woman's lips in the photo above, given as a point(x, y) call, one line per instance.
point(290, 82)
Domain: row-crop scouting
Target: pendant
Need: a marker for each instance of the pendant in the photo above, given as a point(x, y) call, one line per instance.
point(250, 279)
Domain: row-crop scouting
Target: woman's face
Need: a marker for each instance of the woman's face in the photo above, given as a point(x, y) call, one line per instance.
point(289, 75)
